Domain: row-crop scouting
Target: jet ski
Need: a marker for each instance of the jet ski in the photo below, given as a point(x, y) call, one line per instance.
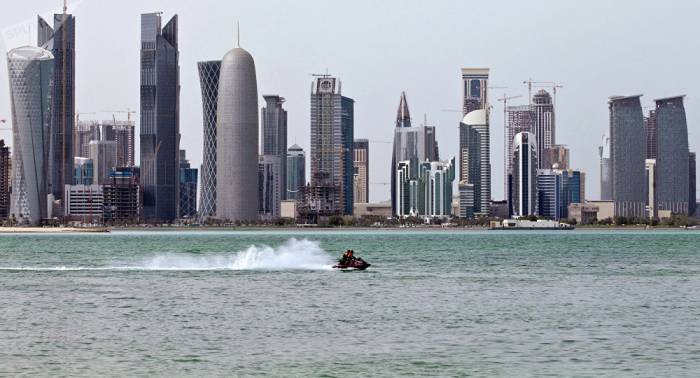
point(354, 264)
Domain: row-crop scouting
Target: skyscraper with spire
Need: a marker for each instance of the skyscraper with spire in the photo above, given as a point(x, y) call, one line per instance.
point(160, 118)
point(60, 41)
point(403, 119)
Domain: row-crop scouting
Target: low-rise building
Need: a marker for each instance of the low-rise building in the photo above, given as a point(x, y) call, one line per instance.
point(84, 203)
point(382, 209)
point(606, 209)
point(583, 213)
point(288, 209)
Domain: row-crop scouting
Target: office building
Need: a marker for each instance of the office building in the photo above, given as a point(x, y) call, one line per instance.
point(5, 180)
point(519, 119)
point(605, 170)
point(296, 171)
point(475, 161)
point(555, 157)
point(361, 173)
point(269, 186)
point(84, 203)
point(557, 189)
point(103, 154)
point(524, 175)
point(332, 140)
point(237, 138)
point(84, 133)
point(209, 72)
point(627, 155)
point(475, 83)
point(160, 118)
point(544, 131)
point(273, 119)
point(122, 133)
point(650, 176)
point(122, 196)
point(692, 186)
point(188, 188)
point(424, 188)
point(60, 41)
point(672, 156)
point(83, 171)
point(31, 75)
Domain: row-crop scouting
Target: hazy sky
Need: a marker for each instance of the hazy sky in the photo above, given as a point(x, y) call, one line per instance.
point(595, 49)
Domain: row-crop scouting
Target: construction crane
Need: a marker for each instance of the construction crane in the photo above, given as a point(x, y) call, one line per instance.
point(128, 112)
point(78, 114)
point(505, 100)
point(542, 84)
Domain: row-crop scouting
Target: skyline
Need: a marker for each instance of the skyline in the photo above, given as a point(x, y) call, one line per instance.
point(573, 57)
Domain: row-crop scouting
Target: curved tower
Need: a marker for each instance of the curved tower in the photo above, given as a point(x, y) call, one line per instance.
point(237, 138)
point(209, 81)
point(31, 80)
point(524, 194)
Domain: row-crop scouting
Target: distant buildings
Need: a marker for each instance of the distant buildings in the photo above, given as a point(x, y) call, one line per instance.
point(556, 190)
point(209, 82)
point(403, 120)
point(122, 196)
point(672, 163)
point(474, 89)
point(237, 138)
point(31, 78)
point(627, 155)
point(412, 145)
point(361, 171)
point(296, 171)
point(475, 164)
point(122, 133)
point(556, 156)
point(605, 170)
point(524, 175)
point(84, 203)
point(160, 117)
point(424, 188)
point(84, 132)
point(5, 180)
point(332, 141)
point(60, 41)
point(188, 188)
point(103, 154)
point(519, 119)
point(272, 167)
point(650, 130)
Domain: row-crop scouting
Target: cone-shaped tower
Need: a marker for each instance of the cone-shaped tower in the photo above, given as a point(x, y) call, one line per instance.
point(403, 117)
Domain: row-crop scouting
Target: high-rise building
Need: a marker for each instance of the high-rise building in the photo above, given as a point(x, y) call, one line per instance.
point(122, 133)
point(269, 186)
point(543, 108)
point(524, 175)
point(188, 188)
point(332, 139)
point(415, 145)
point(60, 40)
point(84, 203)
point(519, 119)
point(5, 181)
point(160, 118)
point(84, 171)
point(84, 132)
point(296, 171)
point(672, 155)
point(424, 188)
point(627, 155)
point(475, 161)
point(605, 170)
point(475, 82)
point(403, 119)
point(650, 131)
point(31, 84)
point(273, 119)
point(361, 173)
point(103, 154)
point(557, 189)
point(237, 138)
point(209, 82)
point(692, 188)
point(347, 124)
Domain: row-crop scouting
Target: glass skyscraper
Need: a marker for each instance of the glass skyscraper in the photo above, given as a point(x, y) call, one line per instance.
point(160, 118)
point(672, 156)
point(524, 176)
point(31, 79)
point(188, 188)
point(296, 171)
point(627, 156)
point(273, 119)
point(209, 82)
point(475, 163)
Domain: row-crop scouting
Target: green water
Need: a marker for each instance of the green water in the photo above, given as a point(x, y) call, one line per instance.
point(444, 303)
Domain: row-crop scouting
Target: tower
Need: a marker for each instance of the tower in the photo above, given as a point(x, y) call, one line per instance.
point(672, 155)
point(524, 178)
point(209, 82)
point(475, 162)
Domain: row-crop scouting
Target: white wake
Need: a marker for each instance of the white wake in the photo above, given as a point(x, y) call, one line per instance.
point(292, 255)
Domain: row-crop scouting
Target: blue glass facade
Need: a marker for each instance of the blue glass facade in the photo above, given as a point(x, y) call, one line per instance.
point(347, 125)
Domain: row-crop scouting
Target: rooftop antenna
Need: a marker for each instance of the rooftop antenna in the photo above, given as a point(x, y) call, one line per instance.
point(238, 34)
point(65, 7)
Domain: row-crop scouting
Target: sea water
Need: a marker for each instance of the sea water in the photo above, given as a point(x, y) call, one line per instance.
point(439, 303)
